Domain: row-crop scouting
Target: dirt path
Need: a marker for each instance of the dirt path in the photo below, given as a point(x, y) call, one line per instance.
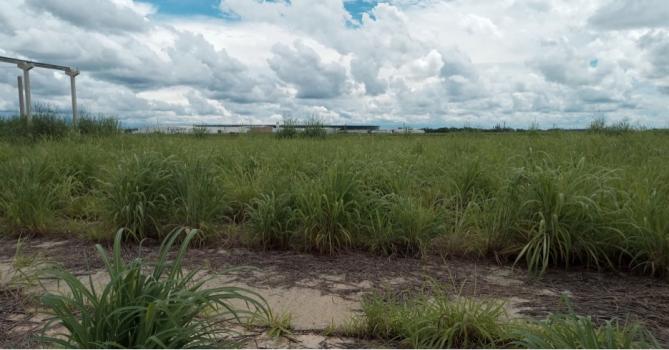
point(320, 291)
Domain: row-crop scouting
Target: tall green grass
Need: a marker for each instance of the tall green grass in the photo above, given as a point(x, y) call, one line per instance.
point(438, 320)
point(551, 200)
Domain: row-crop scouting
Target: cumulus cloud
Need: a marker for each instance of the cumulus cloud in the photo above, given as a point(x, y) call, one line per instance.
point(421, 62)
point(97, 15)
point(629, 14)
point(303, 68)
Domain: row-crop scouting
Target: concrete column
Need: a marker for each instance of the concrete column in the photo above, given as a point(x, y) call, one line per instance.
point(26, 67)
point(75, 114)
point(22, 103)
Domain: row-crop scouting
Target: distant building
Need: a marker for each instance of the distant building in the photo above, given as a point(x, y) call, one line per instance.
point(268, 128)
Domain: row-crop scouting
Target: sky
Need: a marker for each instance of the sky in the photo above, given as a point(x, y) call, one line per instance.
point(420, 63)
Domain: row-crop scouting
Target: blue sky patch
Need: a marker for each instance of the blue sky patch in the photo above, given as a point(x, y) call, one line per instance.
point(188, 7)
point(211, 7)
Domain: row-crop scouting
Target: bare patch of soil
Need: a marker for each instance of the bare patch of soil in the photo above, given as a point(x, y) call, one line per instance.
point(317, 290)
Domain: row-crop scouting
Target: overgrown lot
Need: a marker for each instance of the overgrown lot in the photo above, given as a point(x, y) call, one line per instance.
point(540, 199)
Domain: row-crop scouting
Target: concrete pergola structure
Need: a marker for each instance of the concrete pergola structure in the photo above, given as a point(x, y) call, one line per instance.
point(25, 102)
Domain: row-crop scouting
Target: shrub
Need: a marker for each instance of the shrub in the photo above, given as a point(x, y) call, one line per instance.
point(146, 307)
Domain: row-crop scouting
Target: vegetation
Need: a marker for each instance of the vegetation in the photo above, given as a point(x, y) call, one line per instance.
point(142, 306)
point(541, 200)
point(440, 321)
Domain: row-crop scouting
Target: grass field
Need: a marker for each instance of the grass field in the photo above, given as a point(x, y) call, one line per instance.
point(540, 199)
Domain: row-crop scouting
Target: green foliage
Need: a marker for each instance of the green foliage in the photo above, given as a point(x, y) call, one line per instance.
point(146, 306)
point(44, 124)
point(437, 321)
point(565, 214)
point(271, 221)
point(570, 331)
point(327, 209)
point(100, 125)
point(400, 226)
point(197, 197)
point(31, 194)
point(287, 130)
point(555, 200)
point(199, 131)
point(314, 129)
point(138, 194)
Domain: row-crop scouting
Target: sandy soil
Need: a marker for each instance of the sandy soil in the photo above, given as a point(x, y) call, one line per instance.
point(321, 291)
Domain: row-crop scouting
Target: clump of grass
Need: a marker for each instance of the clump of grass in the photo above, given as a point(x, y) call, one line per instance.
point(571, 331)
point(31, 195)
point(436, 321)
point(439, 320)
point(399, 225)
point(314, 129)
point(565, 215)
point(287, 130)
point(277, 325)
point(137, 195)
point(271, 221)
point(199, 131)
point(198, 200)
point(326, 210)
point(144, 306)
point(99, 125)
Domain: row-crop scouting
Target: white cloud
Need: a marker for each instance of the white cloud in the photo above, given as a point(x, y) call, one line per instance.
point(423, 62)
point(627, 14)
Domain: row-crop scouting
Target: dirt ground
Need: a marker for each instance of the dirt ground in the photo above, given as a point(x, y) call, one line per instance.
point(321, 291)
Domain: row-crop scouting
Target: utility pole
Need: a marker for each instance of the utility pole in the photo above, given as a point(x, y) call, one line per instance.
point(22, 103)
point(73, 74)
point(26, 67)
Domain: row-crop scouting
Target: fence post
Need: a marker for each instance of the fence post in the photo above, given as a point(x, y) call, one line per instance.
point(22, 105)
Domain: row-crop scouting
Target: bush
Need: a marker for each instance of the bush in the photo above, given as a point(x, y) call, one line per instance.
point(147, 306)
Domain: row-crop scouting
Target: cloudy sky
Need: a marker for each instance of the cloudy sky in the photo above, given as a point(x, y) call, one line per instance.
point(420, 62)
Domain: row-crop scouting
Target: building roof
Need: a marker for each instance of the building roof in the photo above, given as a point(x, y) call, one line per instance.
point(299, 126)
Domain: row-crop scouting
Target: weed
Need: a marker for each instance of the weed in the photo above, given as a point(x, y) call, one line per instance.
point(160, 308)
